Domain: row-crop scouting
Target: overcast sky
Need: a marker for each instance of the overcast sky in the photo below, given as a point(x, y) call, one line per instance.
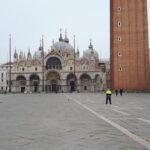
point(27, 20)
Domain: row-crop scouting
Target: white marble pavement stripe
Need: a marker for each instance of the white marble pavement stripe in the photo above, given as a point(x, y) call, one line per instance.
point(117, 126)
point(144, 120)
point(117, 107)
point(121, 112)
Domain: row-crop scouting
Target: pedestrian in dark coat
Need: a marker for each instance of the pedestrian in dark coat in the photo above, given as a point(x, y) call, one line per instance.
point(116, 91)
point(121, 92)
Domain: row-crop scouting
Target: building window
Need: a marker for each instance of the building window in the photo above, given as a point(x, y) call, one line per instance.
point(70, 68)
point(120, 69)
point(36, 69)
point(22, 69)
point(119, 39)
point(2, 80)
point(2, 74)
point(119, 24)
point(119, 9)
point(53, 63)
point(119, 54)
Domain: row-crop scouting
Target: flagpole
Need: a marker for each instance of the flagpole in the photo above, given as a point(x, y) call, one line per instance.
point(43, 89)
point(74, 59)
point(10, 63)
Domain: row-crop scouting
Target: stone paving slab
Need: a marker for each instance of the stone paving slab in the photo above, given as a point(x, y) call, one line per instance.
point(64, 122)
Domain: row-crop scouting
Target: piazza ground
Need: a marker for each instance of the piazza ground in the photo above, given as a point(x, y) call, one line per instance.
point(74, 122)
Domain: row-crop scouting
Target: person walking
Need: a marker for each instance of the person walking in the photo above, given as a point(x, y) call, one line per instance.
point(121, 92)
point(108, 96)
point(116, 91)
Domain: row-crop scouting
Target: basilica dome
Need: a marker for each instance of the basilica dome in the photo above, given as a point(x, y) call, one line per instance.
point(63, 45)
point(90, 52)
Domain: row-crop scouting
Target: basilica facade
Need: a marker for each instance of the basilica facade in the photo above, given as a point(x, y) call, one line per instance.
point(60, 69)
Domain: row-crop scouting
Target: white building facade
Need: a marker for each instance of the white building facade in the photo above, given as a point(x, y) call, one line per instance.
point(4, 78)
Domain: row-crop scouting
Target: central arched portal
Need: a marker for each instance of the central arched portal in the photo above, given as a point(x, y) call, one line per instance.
point(53, 82)
point(54, 85)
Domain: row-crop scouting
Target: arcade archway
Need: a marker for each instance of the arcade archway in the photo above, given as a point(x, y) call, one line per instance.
point(71, 82)
point(85, 82)
point(34, 82)
point(53, 82)
point(21, 83)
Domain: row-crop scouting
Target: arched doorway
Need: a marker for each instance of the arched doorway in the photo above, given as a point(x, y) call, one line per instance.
point(72, 85)
point(34, 83)
point(54, 85)
point(21, 84)
point(85, 83)
point(53, 82)
point(71, 82)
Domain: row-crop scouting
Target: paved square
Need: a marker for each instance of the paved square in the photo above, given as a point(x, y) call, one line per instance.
point(74, 122)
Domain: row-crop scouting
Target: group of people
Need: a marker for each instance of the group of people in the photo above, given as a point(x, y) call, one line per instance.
point(109, 93)
point(119, 91)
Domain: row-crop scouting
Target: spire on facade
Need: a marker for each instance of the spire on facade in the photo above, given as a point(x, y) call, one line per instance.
point(66, 38)
point(40, 47)
point(53, 42)
point(15, 51)
point(91, 46)
point(77, 53)
point(60, 38)
point(24, 56)
point(29, 56)
point(29, 51)
point(21, 55)
point(78, 50)
point(15, 55)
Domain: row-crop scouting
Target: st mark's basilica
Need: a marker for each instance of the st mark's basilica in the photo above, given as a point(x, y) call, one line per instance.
point(60, 69)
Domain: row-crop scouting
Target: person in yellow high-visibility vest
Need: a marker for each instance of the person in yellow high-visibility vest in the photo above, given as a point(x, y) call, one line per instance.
point(108, 96)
